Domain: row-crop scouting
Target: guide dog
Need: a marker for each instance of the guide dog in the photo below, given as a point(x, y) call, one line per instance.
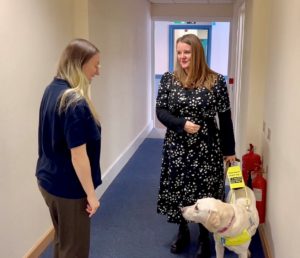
point(232, 223)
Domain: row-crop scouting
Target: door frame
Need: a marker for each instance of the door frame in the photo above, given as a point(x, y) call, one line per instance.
point(172, 29)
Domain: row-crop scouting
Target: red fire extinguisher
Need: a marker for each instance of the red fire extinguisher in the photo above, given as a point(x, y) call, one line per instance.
point(250, 162)
point(259, 185)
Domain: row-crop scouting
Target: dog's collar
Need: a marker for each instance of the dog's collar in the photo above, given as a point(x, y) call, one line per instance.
point(222, 230)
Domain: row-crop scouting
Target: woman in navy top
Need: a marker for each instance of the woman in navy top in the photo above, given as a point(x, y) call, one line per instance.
point(68, 169)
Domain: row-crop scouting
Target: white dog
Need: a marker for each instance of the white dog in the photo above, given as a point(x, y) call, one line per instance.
point(233, 223)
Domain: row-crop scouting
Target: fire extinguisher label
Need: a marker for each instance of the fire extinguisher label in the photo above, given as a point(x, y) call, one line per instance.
point(258, 194)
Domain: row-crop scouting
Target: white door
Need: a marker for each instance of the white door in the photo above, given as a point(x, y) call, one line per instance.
point(238, 60)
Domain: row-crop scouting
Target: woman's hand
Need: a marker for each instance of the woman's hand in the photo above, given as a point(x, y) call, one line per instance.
point(81, 164)
point(230, 159)
point(93, 205)
point(190, 127)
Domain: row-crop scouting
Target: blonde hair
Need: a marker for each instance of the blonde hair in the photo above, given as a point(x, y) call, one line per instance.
point(199, 74)
point(76, 54)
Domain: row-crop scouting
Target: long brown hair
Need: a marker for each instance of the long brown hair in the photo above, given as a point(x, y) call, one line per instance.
point(199, 74)
point(76, 54)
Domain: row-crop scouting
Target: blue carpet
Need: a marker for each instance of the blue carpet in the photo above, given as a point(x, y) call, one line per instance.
point(127, 225)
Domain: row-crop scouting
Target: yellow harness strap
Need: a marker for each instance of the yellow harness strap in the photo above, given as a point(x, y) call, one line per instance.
point(236, 240)
point(236, 182)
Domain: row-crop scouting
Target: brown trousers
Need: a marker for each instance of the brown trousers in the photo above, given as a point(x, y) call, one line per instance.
point(72, 226)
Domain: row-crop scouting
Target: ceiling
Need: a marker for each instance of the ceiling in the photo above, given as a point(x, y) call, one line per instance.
point(192, 1)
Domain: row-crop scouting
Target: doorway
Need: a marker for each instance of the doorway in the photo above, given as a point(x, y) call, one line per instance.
point(215, 39)
point(203, 32)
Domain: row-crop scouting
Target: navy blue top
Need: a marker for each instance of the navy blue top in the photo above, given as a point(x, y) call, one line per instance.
point(58, 133)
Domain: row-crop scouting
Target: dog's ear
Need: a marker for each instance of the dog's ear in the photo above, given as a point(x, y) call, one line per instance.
point(214, 219)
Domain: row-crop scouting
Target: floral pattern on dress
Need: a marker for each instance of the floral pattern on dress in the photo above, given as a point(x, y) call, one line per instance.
point(192, 164)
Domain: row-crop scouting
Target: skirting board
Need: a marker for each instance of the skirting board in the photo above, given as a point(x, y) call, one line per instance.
point(40, 245)
point(108, 176)
point(264, 241)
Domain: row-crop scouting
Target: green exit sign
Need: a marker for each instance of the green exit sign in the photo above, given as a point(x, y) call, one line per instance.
point(179, 22)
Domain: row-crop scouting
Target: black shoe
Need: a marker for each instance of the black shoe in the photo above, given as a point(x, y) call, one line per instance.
point(182, 241)
point(203, 249)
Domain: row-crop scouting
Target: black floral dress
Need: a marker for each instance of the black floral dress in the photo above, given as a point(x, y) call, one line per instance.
point(192, 164)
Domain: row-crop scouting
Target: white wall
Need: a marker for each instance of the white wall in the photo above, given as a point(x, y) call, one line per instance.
point(81, 19)
point(33, 34)
point(281, 114)
point(254, 75)
point(194, 12)
point(122, 30)
point(271, 94)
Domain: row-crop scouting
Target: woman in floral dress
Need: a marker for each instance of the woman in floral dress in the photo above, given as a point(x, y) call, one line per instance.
point(195, 145)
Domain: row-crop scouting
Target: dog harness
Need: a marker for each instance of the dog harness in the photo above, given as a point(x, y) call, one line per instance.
point(244, 236)
point(236, 182)
point(236, 240)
